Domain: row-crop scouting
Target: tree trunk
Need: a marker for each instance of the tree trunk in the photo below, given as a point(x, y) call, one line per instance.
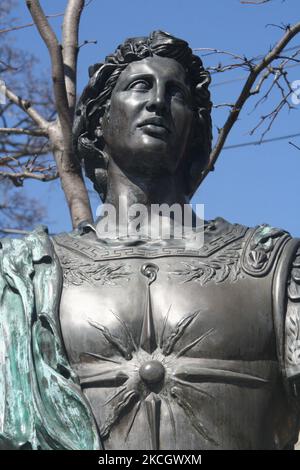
point(71, 178)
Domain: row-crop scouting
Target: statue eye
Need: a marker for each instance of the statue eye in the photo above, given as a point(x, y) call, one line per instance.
point(139, 85)
point(177, 93)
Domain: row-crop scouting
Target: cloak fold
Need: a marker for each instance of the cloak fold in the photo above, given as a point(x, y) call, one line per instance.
point(41, 403)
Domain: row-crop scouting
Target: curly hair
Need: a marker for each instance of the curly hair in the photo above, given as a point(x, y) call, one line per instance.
point(95, 99)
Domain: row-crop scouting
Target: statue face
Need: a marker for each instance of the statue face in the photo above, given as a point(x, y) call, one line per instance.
point(149, 122)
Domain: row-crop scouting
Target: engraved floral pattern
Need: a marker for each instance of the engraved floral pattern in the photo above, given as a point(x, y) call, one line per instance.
point(84, 271)
point(217, 268)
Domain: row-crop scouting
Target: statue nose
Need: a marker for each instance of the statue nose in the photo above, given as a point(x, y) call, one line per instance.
point(157, 102)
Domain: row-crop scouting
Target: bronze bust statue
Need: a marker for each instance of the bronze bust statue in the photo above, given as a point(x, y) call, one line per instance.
point(149, 344)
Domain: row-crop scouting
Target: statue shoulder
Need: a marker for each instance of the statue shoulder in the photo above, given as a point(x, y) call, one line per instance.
point(18, 255)
point(286, 307)
point(38, 241)
point(262, 249)
point(292, 322)
point(259, 247)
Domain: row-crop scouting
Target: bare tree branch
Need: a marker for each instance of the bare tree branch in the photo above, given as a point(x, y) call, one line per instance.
point(24, 145)
point(212, 50)
point(27, 174)
point(17, 210)
point(19, 155)
point(70, 48)
point(61, 133)
point(223, 105)
point(85, 42)
point(58, 77)
point(7, 66)
point(272, 115)
point(262, 79)
point(247, 92)
point(294, 145)
point(26, 106)
point(254, 2)
point(27, 25)
point(18, 131)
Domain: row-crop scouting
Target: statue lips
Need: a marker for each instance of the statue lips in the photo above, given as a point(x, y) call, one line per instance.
point(155, 126)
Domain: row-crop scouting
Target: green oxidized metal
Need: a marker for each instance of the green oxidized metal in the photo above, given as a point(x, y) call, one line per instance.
point(41, 404)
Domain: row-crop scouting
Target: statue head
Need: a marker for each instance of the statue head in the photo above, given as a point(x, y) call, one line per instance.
point(103, 117)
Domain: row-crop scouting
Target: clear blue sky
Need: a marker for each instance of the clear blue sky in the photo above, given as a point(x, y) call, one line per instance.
point(250, 185)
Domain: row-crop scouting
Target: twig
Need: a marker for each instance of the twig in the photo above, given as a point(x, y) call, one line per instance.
point(289, 58)
point(272, 116)
point(223, 68)
point(283, 27)
point(27, 174)
point(85, 42)
point(253, 2)
point(218, 51)
point(221, 105)
point(294, 145)
point(8, 66)
point(24, 153)
point(27, 25)
point(261, 81)
point(25, 105)
point(17, 131)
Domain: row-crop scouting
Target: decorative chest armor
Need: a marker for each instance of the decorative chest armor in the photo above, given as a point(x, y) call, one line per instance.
point(178, 349)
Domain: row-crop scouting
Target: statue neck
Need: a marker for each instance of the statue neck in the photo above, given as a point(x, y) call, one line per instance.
point(146, 190)
point(126, 190)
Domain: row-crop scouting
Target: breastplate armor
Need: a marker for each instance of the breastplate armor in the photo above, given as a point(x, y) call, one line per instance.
point(176, 349)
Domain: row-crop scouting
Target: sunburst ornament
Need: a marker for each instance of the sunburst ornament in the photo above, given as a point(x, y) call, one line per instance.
point(147, 373)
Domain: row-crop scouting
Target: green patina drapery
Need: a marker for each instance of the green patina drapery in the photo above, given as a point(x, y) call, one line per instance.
point(41, 404)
